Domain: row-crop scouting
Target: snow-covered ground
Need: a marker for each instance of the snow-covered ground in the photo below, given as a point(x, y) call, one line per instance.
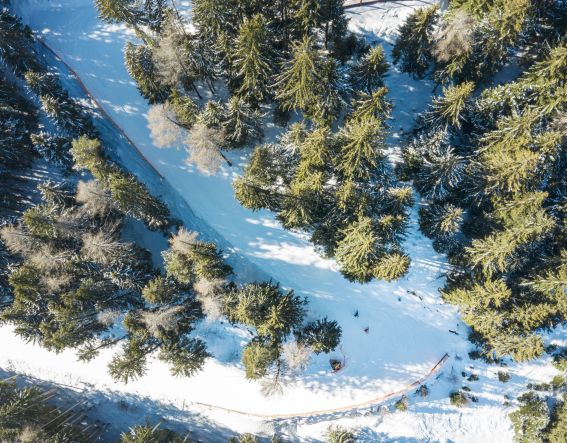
point(408, 323)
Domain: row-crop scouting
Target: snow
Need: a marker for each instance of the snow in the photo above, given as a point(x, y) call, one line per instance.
point(408, 322)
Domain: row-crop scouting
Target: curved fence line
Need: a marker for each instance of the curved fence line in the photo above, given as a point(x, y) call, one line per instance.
point(365, 404)
point(100, 108)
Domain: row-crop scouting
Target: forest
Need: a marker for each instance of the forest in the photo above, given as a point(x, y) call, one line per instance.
point(287, 85)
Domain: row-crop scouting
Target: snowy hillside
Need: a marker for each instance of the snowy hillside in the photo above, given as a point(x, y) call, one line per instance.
point(401, 330)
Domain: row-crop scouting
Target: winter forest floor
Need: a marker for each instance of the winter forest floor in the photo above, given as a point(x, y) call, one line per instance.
point(409, 325)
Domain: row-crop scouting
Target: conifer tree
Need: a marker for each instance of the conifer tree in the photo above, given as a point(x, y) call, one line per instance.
point(306, 15)
point(392, 266)
point(413, 48)
point(242, 124)
point(361, 155)
point(357, 251)
point(368, 74)
point(448, 109)
point(321, 335)
point(253, 60)
point(140, 66)
point(299, 83)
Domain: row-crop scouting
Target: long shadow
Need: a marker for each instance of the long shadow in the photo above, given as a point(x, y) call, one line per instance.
point(118, 412)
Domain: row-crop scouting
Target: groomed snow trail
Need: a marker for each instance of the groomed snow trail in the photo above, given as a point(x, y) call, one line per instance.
point(408, 324)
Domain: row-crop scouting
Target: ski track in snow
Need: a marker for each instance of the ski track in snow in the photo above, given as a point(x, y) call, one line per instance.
point(408, 331)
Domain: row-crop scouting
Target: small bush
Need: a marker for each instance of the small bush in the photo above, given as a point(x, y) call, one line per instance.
point(422, 391)
point(402, 404)
point(503, 376)
point(458, 398)
point(338, 434)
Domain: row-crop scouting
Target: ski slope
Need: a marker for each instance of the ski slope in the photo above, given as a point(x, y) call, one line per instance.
point(408, 323)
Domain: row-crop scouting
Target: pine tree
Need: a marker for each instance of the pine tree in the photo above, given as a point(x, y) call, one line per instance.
point(213, 17)
point(357, 251)
point(413, 48)
point(361, 155)
point(184, 109)
point(213, 114)
point(140, 66)
point(557, 429)
point(530, 419)
point(332, 21)
point(257, 357)
point(264, 306)
point(298, 84)
point(150, 434)
point(442, 171)
point(242, 124)
point(368, 74)
point(374, 105)
point(391, 266)
point(306, 15)
point(321, 335)
point(448, 109)
point(441, 222)
point(338, 434)
point(17, 44)
point(255, 189)
point(253, 60)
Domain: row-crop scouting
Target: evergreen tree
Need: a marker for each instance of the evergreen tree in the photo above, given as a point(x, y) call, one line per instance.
point(557, 430)
point(149, 434)
point(392, 266)
point(257, 357)
point(242, 124)
point(448, 109)
point(338, 434)
point(368, 74)
point(361, 155)
point(321, 335)
point(413, 48)
point(253, 60)
point(17, 44)
point(530, 419)
point(375, 105)
point(140, 66)
point(302, 82)
point(357, 251)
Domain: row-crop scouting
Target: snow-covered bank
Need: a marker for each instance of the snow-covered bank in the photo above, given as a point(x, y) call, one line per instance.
point(407, 333)
point(408, 326)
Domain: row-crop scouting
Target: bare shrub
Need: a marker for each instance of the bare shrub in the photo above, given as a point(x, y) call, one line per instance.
point(56, 282)
point(210, 295)
point(102, 246)
point(203, 144)
point(108, 317)
point(455, 38)
point(167, 58)
point(17, 241)
point(30, 434)
point(95, 199)
point(165, 132)
point(183, 241)
point(47, 260)
point(296, 355)
point(164, 319)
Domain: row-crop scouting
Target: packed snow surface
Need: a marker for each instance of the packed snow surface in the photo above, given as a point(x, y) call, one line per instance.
point(408, 324)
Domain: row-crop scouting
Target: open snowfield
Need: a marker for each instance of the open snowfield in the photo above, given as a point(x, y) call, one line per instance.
point(408, 322)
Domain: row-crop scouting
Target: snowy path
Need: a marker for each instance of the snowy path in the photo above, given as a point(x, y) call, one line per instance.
point(408, 330)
